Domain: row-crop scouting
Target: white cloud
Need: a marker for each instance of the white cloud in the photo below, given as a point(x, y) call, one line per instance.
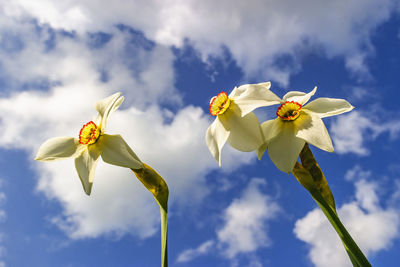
point(119, 204)
point(127, 64)
point(244, 228)
point(245, 221)
point(144, 72)
point(256, 33)
point(356, 63)
point(359, 93)
point(190, 254)
point(357, 172)
point(348, 133)
point(373, 227)
point(351, 131)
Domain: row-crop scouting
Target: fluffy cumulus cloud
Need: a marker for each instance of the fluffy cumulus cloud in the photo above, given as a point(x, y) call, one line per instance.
point(372, 225)
point(58, 58)
point(53, 80)
point(170, 148)
point(245, 221)
point(34, 57)
point(261, 35)
point(351, 131)
point(244, 228)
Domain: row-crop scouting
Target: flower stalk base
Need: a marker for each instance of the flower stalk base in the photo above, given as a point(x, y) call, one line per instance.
point(158, 187)
point(310, 176)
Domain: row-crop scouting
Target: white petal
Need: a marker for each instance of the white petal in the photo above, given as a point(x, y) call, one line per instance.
point(285, 148)
point(97, 119)
point(269, 129)
point(85, 165)
point(325, 107)
point(313, 131)
point(104, 105)
point(216, 137)
point(251, 96)
point(299, 97)
point(58, 148)
point(291, 94)
point(107, 106)
point(236, 92)
point(244, 132)
point(114, 150)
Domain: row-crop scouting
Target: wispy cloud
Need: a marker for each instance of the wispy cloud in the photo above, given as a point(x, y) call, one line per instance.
point(351, 131)
point(357, 173)
point(190, 254)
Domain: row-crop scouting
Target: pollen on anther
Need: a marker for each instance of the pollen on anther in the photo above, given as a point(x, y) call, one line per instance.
point(89, 133)
point(289, 111)
point(219, 104)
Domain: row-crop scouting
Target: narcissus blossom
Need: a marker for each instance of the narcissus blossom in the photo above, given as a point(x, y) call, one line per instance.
point(90, 144)
point(297, 124)
point(235, 122)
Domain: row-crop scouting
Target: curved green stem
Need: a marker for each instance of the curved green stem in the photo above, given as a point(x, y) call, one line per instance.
point(354, 252)
point(310, 176)
point(158, 187)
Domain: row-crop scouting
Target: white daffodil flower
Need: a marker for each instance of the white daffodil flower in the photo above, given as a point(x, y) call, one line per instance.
point(296, 125)
point(92, 143)
point(235, 122)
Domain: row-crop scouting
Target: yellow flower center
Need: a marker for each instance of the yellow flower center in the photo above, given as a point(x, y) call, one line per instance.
point(89, 133)
point(219, 104)
point(289, 111)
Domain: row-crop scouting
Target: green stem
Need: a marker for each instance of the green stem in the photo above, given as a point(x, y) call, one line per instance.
point(355, 253)
point(158, 187)
point(311, 177)
point(164, 237)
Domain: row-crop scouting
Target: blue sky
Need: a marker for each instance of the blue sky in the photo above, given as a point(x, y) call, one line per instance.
point(168, 59)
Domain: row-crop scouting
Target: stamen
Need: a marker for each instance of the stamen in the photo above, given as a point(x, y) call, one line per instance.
point(219, 104)
point(289, 111)
point(89, 133)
